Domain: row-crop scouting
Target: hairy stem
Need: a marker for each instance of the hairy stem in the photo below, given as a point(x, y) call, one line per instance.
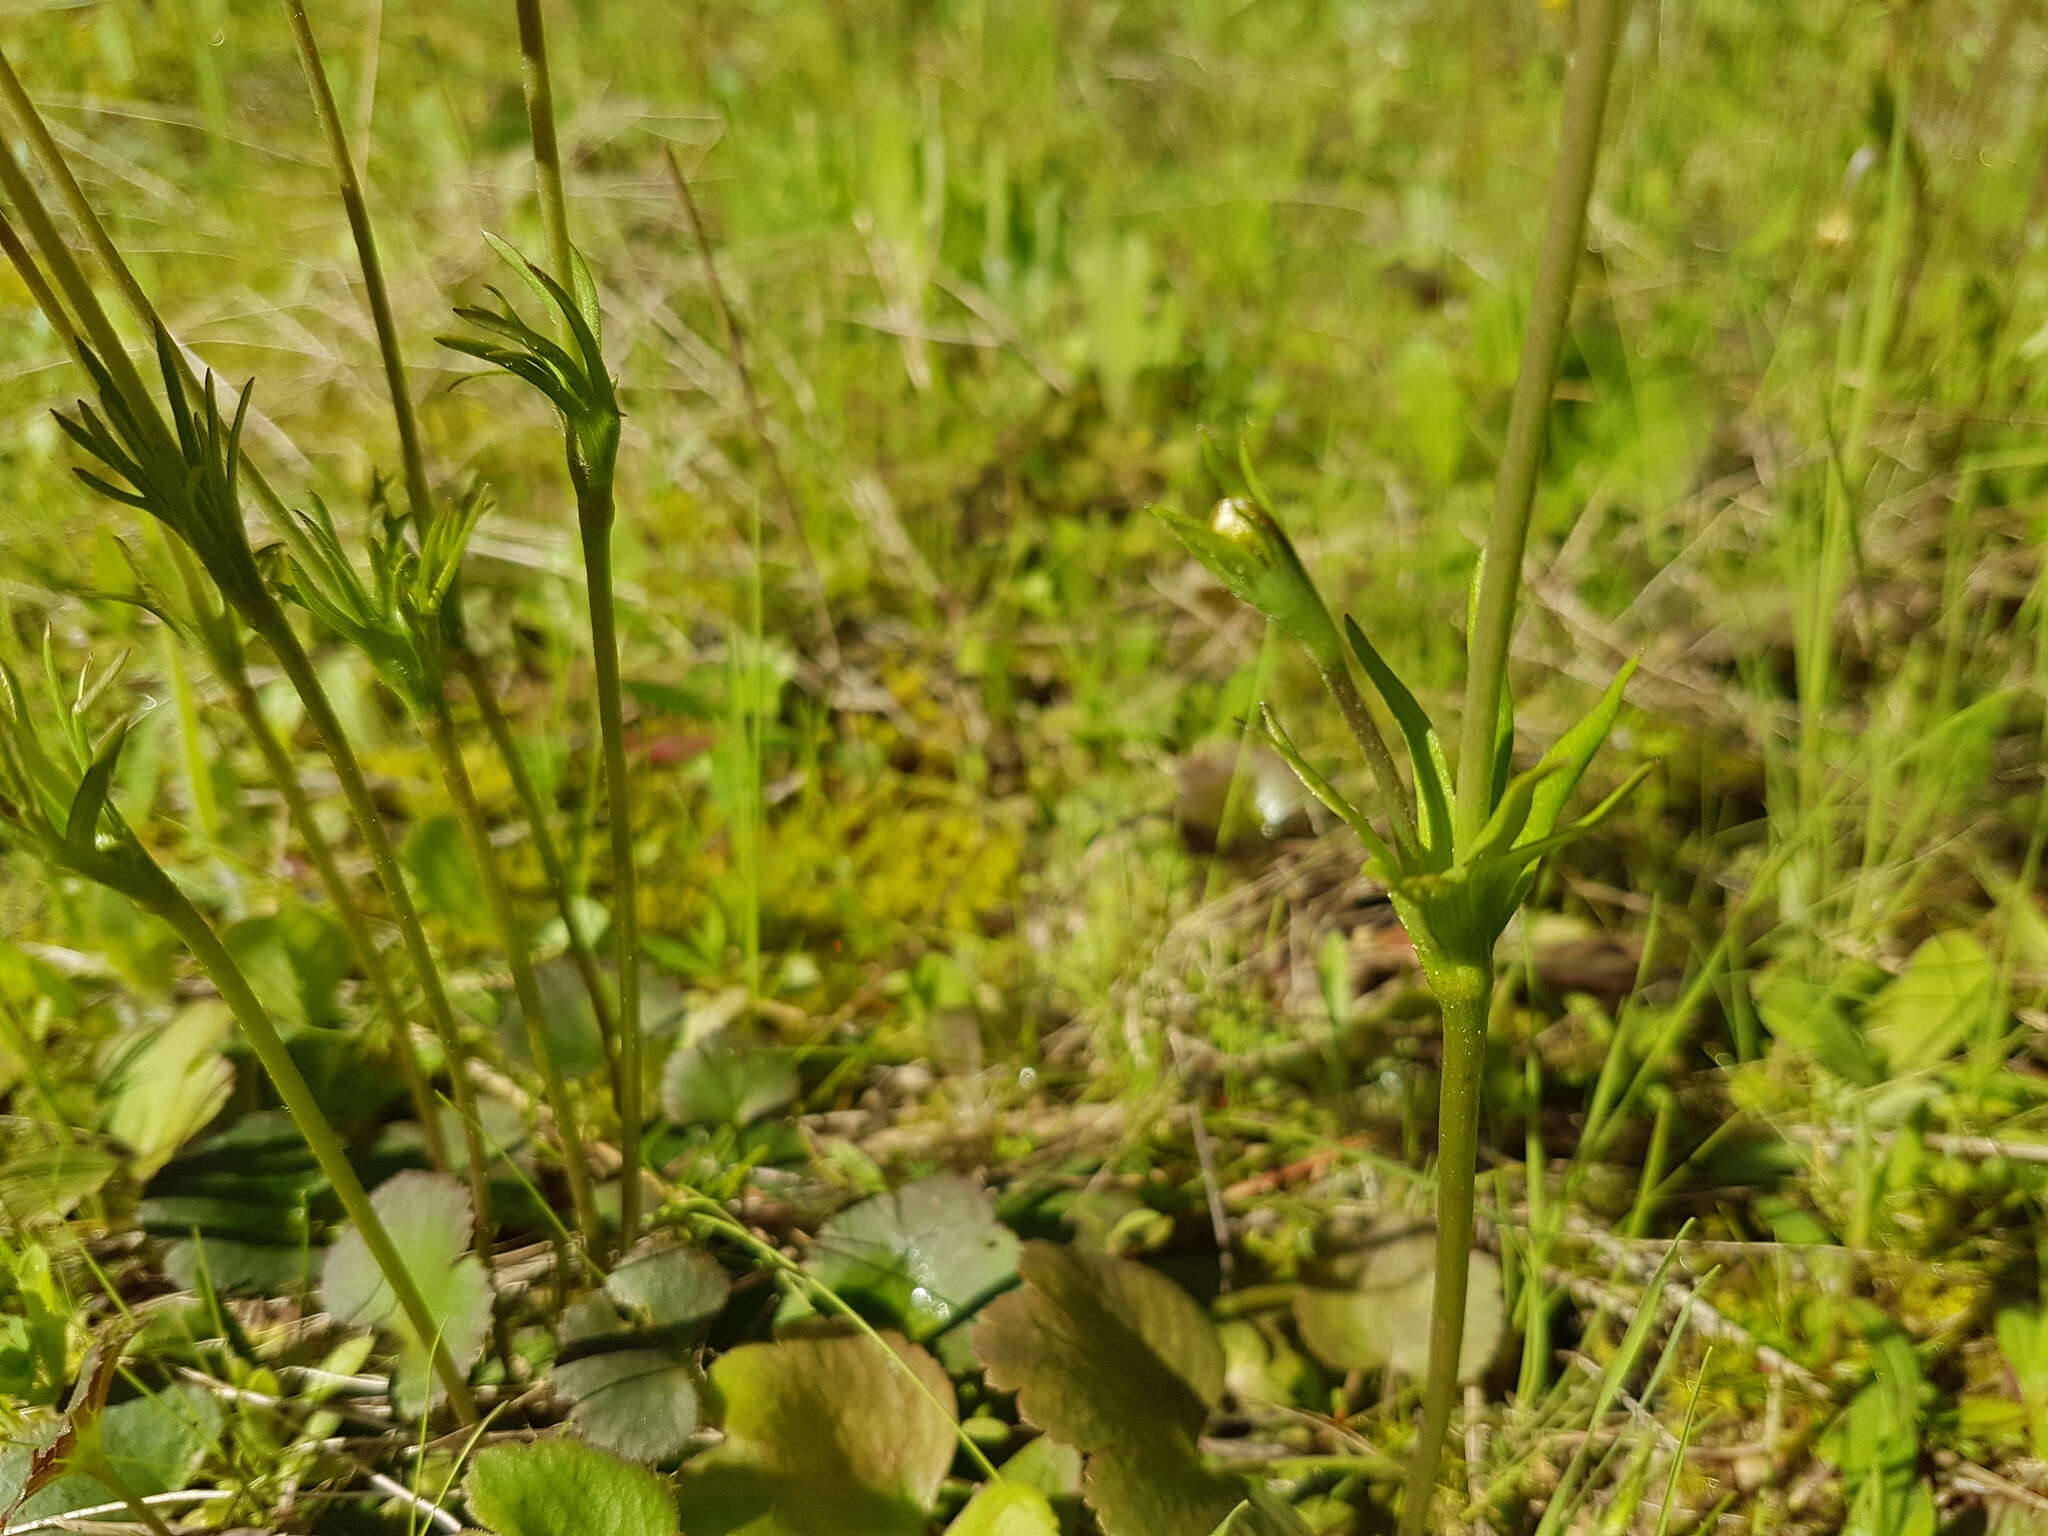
point(438, 726)
point(192, 927)
point(1465, 995)
point(1557, 264)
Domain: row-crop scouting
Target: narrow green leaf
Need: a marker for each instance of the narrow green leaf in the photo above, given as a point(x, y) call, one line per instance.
point(1574, 751)
point(1425, 749)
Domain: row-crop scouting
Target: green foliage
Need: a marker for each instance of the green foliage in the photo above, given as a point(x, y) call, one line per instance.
point(164, 1089)
point(730, 1077)
point(428, 1217)
point(1365, 1307)
point(1116, 1361)
point(629, 1358)
point(576, 382)
point(561, 1488)
point(823, 1437)
point(920, 1258)
point(1006, 1509)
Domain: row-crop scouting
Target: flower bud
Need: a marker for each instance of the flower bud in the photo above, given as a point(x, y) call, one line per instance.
point(1245, 548)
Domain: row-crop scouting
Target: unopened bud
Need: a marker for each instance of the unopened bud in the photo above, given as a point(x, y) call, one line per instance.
point(1244, 547)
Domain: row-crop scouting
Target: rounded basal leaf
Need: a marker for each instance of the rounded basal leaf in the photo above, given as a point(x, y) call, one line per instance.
point(824, 1437)
point(1367, 1307)
point(728, 1078)
point(1007, 1509)
point(629, 1360)
point(428, 1217)
point(922, 1257)
point(234, 1207)
point(561, 1488)
point(1112, 1358)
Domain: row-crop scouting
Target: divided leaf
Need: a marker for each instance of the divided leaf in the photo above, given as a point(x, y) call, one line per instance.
point(428, 1217)
point(562, 1488)
point(824, 1437)
point(920, 1258)
point(1114, 1359)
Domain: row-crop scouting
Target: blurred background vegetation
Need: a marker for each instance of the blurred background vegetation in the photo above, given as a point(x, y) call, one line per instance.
point(940, 735)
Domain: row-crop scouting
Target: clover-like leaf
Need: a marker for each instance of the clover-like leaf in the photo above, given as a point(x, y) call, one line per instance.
point(921, 1258)
point(1117, 1361)
point(428, 1217)
point(824, 1437)
point(562, 1488)
point(629, 1358)
point(1366, 1307)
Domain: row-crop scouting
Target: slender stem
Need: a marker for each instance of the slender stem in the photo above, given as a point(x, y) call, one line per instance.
point(1557, 263)
point(1366, 732)
point(284, 773)
point(1465, 995)
point(757, 414)
point(547, 151)
point(597, 565)
point(271, 625)
point(595, 511)
point(438, 726)
point(313, 1125)
point(553, 870)
point(374, 290)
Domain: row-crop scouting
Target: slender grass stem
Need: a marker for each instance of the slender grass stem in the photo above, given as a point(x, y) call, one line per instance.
point(547, 149)
point(364, 234)
point(284, 773)
point(597, 564)
point(314, 1127)
point(1557, 264)
point(438, 726)
point(1465, 993)
point(553, 870)
point(276, 631)
point(595, 512)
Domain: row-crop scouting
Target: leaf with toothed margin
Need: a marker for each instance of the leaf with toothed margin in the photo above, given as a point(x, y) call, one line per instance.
point(920, 1258)
point(428, 1217)
point(563, 1488)
point(1117, 1361)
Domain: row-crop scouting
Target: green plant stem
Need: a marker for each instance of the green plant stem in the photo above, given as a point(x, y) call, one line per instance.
point(595, 511)
point(275, 630)
point(1465, 994)
point(284, 773)
point(375, 292)
point(438, 726)
point(198, 936)
point(581, 953)
point(547, 150)
point(1366, 732)
point(1557, 264)
point(597, 564)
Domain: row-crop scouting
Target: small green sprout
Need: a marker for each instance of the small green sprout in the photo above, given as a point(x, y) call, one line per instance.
point(185, 478)
point(575, 382)
point(394, 614)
